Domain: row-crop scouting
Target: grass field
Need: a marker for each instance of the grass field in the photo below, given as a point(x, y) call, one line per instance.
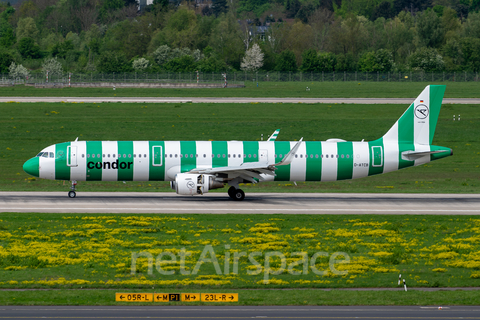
point(265, 89)
point(26, 128)
point(253, 297)
point(278, 251)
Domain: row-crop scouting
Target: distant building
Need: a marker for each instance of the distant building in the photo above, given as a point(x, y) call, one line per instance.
point(143, 3)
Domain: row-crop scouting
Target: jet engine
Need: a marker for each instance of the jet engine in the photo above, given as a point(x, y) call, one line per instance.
point(194, 184)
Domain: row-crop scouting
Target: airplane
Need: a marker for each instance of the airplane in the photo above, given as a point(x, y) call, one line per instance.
point(196, 167)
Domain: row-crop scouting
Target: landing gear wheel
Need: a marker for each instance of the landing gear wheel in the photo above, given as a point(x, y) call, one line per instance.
point(72, 194)
point(231, 192)
point(239, 195)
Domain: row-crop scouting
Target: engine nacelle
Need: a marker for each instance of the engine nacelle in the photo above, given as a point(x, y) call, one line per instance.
point(194, 184)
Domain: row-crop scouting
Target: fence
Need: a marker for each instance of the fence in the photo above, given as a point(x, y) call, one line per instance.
point(239, 78)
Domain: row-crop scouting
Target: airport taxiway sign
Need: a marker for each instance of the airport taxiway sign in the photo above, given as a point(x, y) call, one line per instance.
point(219, 297)
point(134, 297)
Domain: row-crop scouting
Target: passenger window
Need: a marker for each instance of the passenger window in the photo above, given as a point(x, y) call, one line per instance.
point(134, 155)
point(104, 155)
point(301, 156)
point(255, 155)
point(191, 155)
point(113, 155)
point(326, 156)
point(296, 156)
point(83, 155)
point(204, 155)
point(144, 155)
point(223, 156)
point(316, 156)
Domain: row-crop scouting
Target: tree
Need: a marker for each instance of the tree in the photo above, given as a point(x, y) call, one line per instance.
point(286, 61)
point(326, 62)
point(226, 40)
point(52, 66)
point(426, 59)
point(310, 62)
point(472, 25)
point(429, 29)
point(140, 64)
point(219, 6)
point(6, 60)
point(162, 54)
point(383, 10)
point(470, 54)
point(18, 71)
point(28, 49)
point(253, 59)
point(27, 28)
point(181, 29)
point(185, 63)
point(379, 61)
point(111, 61)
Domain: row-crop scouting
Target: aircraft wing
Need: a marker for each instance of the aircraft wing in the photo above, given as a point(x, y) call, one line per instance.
point(251, 170)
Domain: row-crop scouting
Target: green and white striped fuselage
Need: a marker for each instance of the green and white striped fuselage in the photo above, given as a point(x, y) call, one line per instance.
point(195, 167)
point(162, 160)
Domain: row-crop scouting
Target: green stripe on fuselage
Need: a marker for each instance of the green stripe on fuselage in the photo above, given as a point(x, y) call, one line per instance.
point(94, 156)
point(188, 160)
point(376, 158)
point(282, 148)
point(314, 161)
point(250, 149)
point(125, 160)
point(62, 171)
point(156, 173)
point(220, 154)
point(345, 164)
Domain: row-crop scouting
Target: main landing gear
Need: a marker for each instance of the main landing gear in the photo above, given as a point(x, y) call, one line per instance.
point(236, 194)
point(72, 193)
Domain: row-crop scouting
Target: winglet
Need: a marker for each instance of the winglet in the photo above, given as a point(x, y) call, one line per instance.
point(289, 157)
point(274, 135)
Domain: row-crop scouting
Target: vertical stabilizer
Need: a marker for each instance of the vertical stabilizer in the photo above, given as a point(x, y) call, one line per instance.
point(417, 125)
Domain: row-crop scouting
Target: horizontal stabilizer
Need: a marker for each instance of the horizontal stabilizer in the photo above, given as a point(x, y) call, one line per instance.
point(414, 155)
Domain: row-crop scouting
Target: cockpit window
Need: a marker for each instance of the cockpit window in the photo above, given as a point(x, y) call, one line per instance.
point(40, 154)
point(51, 155)
point(45, 155)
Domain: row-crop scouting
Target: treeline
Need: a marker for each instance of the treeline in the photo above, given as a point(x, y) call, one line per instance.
point(174, 36)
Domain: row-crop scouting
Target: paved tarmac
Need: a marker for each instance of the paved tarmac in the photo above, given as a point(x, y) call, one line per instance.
point(240, 312)
point(233, 100)
point(264, 203)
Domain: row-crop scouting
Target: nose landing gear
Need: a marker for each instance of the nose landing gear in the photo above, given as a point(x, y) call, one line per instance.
point(72, 193)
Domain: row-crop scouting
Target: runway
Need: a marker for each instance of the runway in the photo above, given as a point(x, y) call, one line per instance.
point(237, 312)
point(406, 101)
point(261, 203)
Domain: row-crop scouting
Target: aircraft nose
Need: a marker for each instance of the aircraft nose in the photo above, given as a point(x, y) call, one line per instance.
point(31, 167)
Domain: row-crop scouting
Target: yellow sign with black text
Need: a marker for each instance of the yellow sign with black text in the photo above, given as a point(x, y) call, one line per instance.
point(190, 297)
point(219, 297)
point(134, 297)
